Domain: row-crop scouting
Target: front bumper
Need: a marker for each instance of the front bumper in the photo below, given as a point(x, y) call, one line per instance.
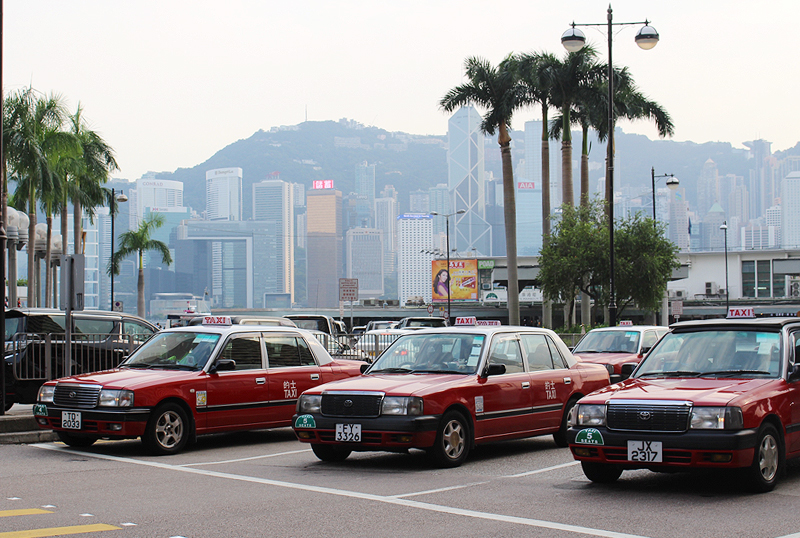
point(693, 448)
point(112, 422)
point(377, 433)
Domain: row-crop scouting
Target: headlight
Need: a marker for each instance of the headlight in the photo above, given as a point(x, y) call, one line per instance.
point(716, 418)
point(46, 393)
point(401, 405)
point(309, 403)
point(591, 415)
point(116, 398)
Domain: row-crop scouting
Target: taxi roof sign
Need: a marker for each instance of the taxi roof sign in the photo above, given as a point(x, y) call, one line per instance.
point(473, 321)
point(217, 320)
point(466, 320)
point(740, 313)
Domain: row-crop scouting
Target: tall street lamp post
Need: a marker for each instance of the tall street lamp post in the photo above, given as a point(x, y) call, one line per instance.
point(447, 235)
point(574, 40)
point(672, 183)
point(115, 198)
point(724, 228)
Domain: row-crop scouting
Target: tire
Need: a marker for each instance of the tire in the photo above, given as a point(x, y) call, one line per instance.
point(452, 441)
point(330, 453)
point(768, 461)
point(76, 441)
point(601, 473)
point(167, 431)
point(560, 437)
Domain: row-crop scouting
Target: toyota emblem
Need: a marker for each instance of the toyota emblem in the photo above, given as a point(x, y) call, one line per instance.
point(72, 394)
point(348, 403)
point(644, 415)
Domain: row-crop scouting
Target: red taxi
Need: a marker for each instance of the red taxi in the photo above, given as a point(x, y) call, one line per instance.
point(614, 347)
point(447, 389)
point(188, 381)
point(722, 393)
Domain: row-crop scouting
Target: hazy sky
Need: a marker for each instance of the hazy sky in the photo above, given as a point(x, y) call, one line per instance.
point(169, 82)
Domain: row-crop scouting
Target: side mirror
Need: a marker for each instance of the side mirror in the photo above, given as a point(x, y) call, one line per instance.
point(494, 369)
point(627, 369)
point(364, 368)
point(794, 373)
point(224, 365)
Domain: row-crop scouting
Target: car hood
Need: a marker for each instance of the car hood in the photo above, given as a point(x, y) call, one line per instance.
point(608, 358)
point(702, 391)
point(396, 384)
point(125, 378)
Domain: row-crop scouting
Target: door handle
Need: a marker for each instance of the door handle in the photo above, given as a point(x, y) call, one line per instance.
point(314, 377)
point(526, 385)
point(567, 380)
point(261, 380)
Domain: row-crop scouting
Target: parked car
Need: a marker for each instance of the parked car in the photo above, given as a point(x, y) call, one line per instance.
point(614, 347)
point(372, 343)
point(35, 346)
point(446, 390)
point(712, 394)
point(190, 381)
point(318, 322)
point(420, 322)
point(374, 325)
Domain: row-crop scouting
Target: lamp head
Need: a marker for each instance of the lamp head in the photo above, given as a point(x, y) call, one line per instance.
point(573, 39)
point(461, 211)
point(647, 38)
point(724, 226)
point(672, 182)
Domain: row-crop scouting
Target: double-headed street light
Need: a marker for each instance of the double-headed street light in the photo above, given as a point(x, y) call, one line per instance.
point(447, 235)
point(574, 40)
point(724, 228)
point(115, 198)
point(672, 183)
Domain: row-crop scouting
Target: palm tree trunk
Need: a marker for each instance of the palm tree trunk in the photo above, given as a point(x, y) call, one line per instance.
point(48, 276)
point(511, 224)
point(547, 304)
point(64, 229)
point(567, 194)
point(140, 287)
point(77, 228)
point(585, 167)
point(31, 248)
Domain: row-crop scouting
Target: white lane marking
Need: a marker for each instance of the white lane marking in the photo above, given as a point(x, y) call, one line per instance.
point(245, 459)
point(794, 535)
point(356, 495)
point(402, 495)
point(546, 469)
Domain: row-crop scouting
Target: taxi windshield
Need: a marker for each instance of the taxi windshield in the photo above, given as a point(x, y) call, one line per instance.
point(714, 353)
point(438, 353)
point(174, 350)
point(615, 341)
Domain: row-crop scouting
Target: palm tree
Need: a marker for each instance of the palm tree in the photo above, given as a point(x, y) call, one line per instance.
point(499, 91)
point(138, 242)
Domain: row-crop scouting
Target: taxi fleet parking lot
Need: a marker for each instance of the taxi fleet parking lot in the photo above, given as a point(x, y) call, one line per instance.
point(265, 483)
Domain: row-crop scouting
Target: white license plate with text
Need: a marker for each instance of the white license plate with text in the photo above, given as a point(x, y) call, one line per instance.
point(348, 433)
point(645, 451)
point(70, 420)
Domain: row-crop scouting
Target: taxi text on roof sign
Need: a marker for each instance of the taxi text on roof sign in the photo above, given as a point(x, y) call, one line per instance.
point(626, 323)
point(466, 320)
point(217, 320)
point(472, 321)
point(738, 313)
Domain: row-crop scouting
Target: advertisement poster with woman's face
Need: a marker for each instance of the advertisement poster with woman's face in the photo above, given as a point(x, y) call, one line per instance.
point(462, 280)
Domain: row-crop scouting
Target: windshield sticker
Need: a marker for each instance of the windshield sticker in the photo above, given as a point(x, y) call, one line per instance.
point(589, 436)
point(475, 352)
point(305, 421)
point(200, 398)
point(478, 404)
point(206, 337)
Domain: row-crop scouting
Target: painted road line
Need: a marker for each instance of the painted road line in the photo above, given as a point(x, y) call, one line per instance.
point(413, 494)
point(23, 512)
point(407, 503)
point(545, 470)
point(59, 531)
point(245, 459)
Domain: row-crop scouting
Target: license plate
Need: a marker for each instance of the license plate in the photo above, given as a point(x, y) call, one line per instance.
point(70, 420)
point(644, 451)
point(348, 433)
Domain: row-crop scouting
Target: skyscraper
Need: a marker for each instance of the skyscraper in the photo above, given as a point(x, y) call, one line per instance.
point(152, 193)
point(273, 200)
point(365, 181)
point(415, 236)
point(365, 260)
point(386, 222)
point(790, 211)
point(324, 250)
point(224, 194)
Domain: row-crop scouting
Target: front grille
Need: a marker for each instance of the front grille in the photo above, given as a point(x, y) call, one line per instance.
point(652, 418)
point(351, 405)
point(74, 395)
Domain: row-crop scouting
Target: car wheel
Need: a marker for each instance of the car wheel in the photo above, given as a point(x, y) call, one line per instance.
point(167, 431)
point(452, 440)
point(767, 466)
point(77, 441)
point(330, 453)
point(560, 437)
point(601, 473)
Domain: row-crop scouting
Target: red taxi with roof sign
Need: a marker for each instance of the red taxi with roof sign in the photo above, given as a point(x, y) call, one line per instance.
point(188, 381)
point(616, 347)
point(718, 393)
point(447, 389)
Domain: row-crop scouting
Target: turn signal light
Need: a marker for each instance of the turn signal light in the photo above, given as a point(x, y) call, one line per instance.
point(305, 435)
point(585, 452)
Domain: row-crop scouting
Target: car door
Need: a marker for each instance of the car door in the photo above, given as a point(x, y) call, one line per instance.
point(550, 381)
point(238, 398)
point(292, 370)
point(793, 429)
point(503, 406)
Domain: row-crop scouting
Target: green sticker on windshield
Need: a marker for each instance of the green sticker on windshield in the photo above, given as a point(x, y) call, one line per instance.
point(305, 421)
point(589, 436)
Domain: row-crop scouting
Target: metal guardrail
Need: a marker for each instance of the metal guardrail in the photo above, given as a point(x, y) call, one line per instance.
point(41, 357)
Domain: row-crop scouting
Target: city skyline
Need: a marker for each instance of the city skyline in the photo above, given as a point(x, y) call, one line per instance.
point(170, 94)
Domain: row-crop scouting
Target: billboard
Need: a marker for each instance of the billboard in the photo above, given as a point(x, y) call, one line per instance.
point(462, 281)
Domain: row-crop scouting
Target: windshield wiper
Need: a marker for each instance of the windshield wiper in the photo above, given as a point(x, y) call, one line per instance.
point(436, 372)
point(679, 373)
point(735, 372)
point(136, 365)
point(176, 366)
point(391, 371)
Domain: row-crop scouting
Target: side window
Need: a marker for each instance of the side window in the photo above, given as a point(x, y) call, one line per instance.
point(245, 350)
point(794, 356)
point(282, 351)
point(139, 332)
point(649, 339)
point(306, 357)
point(537, 352)
point(558, 360)
point(94, 326)
point(505, 350)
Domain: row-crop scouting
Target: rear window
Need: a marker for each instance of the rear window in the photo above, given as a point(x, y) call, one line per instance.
point(94, 326)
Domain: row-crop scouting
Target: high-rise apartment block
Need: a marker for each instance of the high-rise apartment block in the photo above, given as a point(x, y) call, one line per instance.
point(273, 200)
point(415, 237)
point(365, 260)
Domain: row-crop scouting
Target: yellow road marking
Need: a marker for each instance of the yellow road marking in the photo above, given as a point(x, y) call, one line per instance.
point(23, 512)
point(59, 531)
